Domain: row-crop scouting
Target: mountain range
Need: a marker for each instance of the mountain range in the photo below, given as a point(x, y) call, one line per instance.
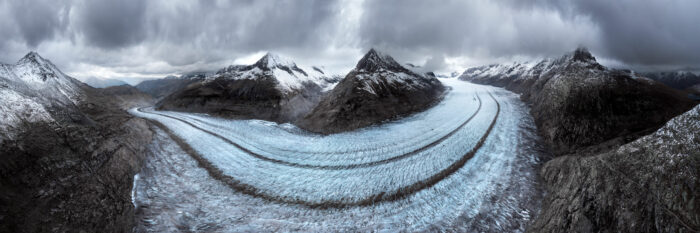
point(103, 82)
point(619, 164)
point(579, 104)
point(275, 88)
point(624, 150)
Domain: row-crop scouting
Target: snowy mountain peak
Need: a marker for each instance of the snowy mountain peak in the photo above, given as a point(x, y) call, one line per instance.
point(35, 76)
point(375, 60)
point(284, 71)
point(580, 57)
point(35, 59)
point(33, 65)
point(271, 61)
point(582, 54)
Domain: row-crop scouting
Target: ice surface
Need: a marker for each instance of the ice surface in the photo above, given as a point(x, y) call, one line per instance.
point(493, 191)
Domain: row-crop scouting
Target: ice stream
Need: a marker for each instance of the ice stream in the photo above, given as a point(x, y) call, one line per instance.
point(307, 182)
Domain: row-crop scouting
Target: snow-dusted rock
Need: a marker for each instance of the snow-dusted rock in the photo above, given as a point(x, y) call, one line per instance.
point(274, 88)
point(68, 152)
point(378, 89)
point(579, 103)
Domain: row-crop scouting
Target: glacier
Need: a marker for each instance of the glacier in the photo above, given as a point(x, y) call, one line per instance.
point(292, 172)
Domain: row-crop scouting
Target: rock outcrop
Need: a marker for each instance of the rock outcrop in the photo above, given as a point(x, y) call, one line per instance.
point(648, 185)
point(69, 153)
point(378, 89)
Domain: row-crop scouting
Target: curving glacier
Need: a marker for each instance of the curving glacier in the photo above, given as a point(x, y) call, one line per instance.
point(467, 164)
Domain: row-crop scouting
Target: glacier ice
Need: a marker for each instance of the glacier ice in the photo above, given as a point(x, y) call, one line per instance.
point(493, 191)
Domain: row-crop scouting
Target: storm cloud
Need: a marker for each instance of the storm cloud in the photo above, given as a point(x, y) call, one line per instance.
point(150, 39)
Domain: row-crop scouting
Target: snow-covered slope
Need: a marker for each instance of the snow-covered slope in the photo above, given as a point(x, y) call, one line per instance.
point(30, 87)
point(290, 77)
point(34, 74)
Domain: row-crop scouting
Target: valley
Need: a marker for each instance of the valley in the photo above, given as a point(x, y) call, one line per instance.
point(477, 144)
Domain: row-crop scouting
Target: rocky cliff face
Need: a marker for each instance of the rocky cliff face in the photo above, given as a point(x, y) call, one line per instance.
point(648, 185)
point(274, 89)
point(580, 105)
point(377, 89)
point(69, 153)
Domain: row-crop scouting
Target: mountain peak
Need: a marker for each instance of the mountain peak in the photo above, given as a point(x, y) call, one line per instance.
point(582, 54)
point(272, 60)
point(33, 57)
point(375, 60)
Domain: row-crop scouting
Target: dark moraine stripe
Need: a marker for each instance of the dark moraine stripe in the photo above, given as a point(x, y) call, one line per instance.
point(327, 167)
point(395, 195)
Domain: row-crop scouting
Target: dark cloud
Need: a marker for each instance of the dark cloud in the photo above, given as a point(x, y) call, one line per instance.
point(644, 32)
point(201, 29)
point(473, 28)
point(113, 24)
point(38, 21)
point(138, 38)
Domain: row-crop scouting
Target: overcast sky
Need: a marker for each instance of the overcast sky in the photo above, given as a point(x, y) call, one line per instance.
point(151, 39)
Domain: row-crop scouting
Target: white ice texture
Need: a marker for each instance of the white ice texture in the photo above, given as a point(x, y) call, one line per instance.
point(494, 191)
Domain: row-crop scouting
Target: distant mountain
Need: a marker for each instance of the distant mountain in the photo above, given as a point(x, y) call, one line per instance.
point(680, 80)
point(128, 96)
point(694, 92)
point(69, 152)
point(274, 88)
point(102, 83)
point(576, 102)
point(377, 89)
point(160, 88)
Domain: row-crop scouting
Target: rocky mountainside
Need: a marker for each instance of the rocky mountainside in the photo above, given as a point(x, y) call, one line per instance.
point(377, 89)
point(102, 83)
point(160, 88)
point(127, 96)
point(680, 80)
point(68, 153)
point(580, 105)
point(274, 88)
point(648, 185)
